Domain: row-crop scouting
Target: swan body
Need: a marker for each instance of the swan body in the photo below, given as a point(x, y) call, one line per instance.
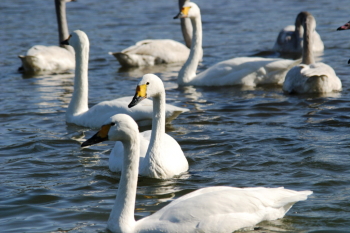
point(152, 52)
point(78, 111)
point(51, 59)
point(161, 156)
point(290, 39)
point(249, 71)
point(211, 209)
point(310, 76)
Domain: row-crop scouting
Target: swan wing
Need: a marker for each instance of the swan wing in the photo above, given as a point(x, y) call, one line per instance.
point(224, 208)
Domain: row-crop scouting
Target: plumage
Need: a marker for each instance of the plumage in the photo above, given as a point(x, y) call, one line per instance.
point(78, 111)
point(51, 59)
point(310, 76)
point(160, 155)
point(211, 209)
point(290, 39)
point(248, 71)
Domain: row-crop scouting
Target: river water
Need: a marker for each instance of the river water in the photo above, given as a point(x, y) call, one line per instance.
point(235, 136)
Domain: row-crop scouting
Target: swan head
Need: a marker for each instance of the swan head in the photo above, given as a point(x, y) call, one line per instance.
point(149, 86)
point(189, 10)
point(78, 40)
point(120, 127)
point(306, 19)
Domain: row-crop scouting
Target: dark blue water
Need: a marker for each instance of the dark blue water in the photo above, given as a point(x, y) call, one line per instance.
point(243, 137)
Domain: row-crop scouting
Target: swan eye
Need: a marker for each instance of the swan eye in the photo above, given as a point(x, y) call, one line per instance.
point(112, 123)
point(147, 83)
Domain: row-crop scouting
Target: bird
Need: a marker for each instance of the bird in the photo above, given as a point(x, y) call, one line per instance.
point(290, 39)
point(209, 209)
point(247, 71)
point(161, 156)
point(310, 76)
point(157, 51)
point(78, 111)
point(345, 27)
point(51, 59)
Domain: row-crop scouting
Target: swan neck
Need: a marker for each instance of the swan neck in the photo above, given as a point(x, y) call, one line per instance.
point(63, 31)
point(121, 218)
point(79, 101)
point(308, 57)
point(153, 154)
point(188, 71)
point(186, 26)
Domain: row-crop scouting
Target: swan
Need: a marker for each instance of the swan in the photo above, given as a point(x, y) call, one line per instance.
point(78, 111)
point(161, 156)
point(51, 59)
point(248, 71)
point(157, 51)
point(210, 209)
point(290, 39)
point(310, 76)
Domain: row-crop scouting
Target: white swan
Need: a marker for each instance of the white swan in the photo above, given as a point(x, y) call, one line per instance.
point(157, 51)
point(51, 59)
point(290, 39)
point(161, 156)
point(78, 111)
point(310, 77)
point(211, 209)
point(249, 71)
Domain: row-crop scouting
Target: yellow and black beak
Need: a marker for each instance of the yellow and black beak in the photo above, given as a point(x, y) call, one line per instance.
point(100, 136)
point(183, 13)
point(66, 42)
point(141, 94)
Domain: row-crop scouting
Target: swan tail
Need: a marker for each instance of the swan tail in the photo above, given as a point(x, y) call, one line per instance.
point(322, 84)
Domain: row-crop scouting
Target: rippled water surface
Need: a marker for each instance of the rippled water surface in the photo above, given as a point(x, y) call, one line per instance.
point(243, 137)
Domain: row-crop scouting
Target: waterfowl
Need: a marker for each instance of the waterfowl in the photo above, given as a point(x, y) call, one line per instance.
point(78, 111)
point(310, 76)
point(290, 39)
point(248, 71)
point(51, 59)
point(156, 51)
point(161, 156)
point(211, 209)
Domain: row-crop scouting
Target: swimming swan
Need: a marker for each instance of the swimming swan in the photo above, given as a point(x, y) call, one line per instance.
point(310, 77)
point(78, 111)
point(249, 71)
point(157, 51)
point(211, 209)
point(161, 156)
point(290, 39)
point(51, 59)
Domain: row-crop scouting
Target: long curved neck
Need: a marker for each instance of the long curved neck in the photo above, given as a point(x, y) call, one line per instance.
point(63, 32)
point(298, 33)
point(308, 57)
point(121, 219)
point(188, 71)
point(79, 101)
point(186, 27)
point(158, 133)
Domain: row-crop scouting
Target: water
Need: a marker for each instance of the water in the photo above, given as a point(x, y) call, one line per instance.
point(243, 137)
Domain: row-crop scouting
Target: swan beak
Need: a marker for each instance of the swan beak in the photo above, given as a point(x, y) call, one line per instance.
point(100, 136)
point(183, 13)
point(141, 94)
point(344, 27)
point(66, 42)
point(349, 61)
